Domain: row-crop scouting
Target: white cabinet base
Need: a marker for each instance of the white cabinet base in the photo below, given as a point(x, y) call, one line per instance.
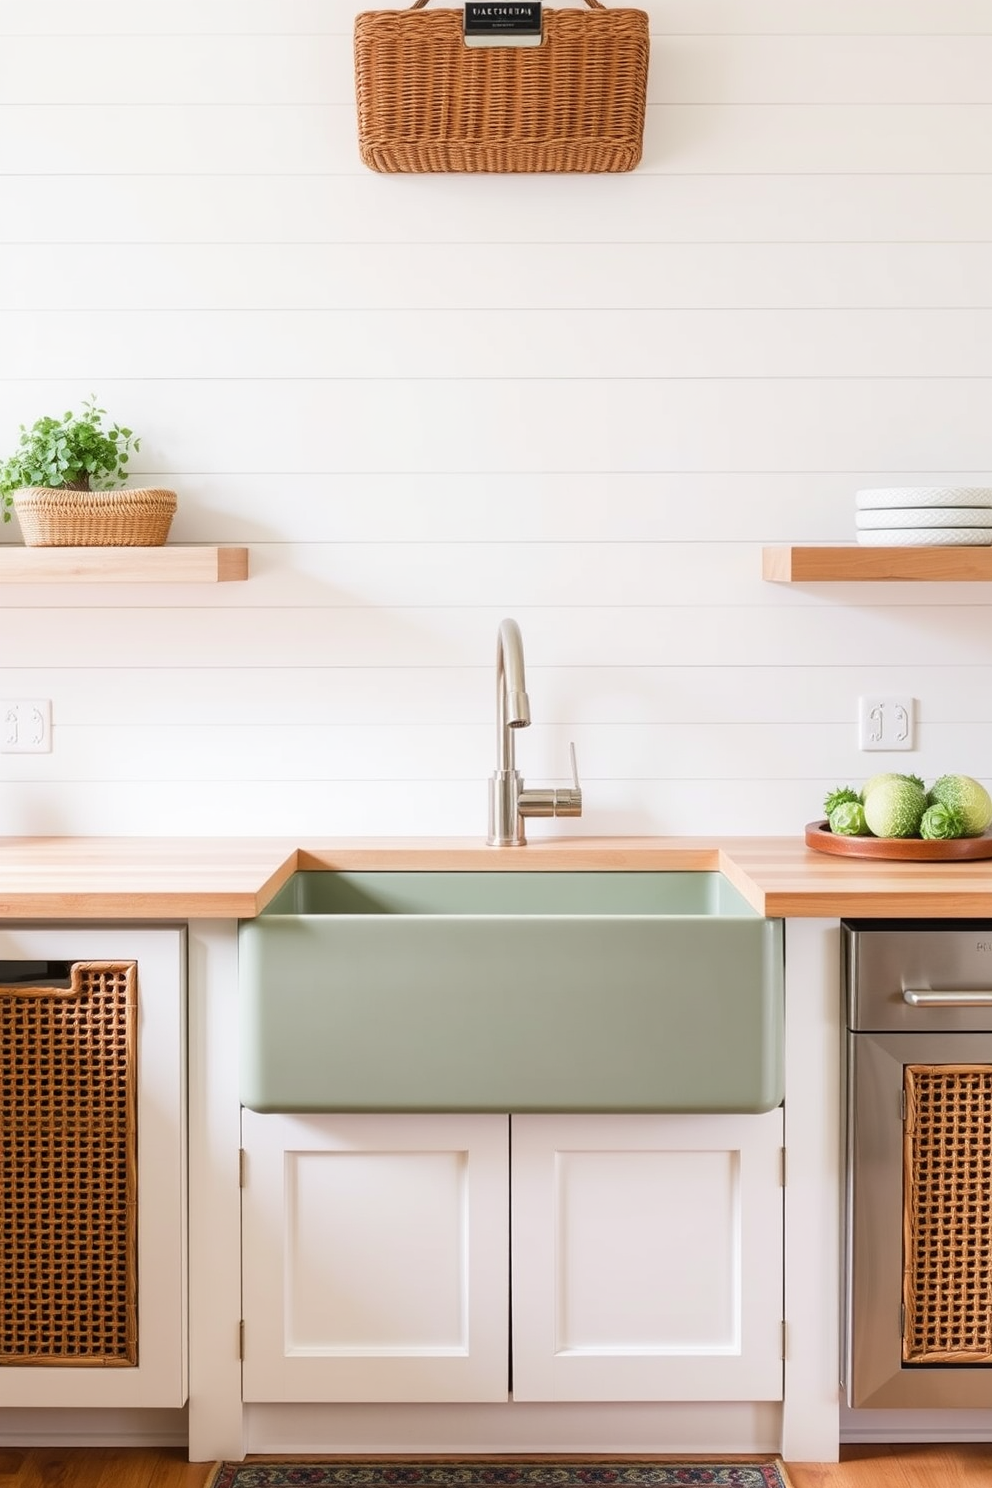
point(646, 1258)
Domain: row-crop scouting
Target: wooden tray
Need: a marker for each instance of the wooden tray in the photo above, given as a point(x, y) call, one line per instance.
point(909, 849)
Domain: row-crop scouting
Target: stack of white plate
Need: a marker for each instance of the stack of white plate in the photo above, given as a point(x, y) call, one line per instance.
point(925, 516)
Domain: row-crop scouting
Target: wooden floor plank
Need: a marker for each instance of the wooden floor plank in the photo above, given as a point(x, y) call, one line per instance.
point(957, 1465)
point(100, 1467)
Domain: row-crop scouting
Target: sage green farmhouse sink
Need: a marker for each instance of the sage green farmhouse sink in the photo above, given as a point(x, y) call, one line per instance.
point(510, 991)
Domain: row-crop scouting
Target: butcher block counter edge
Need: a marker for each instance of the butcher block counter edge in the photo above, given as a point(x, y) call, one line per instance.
point(86, 878)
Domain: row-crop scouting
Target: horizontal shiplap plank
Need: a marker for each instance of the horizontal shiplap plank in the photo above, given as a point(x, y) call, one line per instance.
point(311, 809)
point(769, 507)
point(682, 139)
point(478, 209)
point(640, 276)
point(628, 636)
point(948, 697)
point(589, 425)
point(306, 69)
point(274, 17)
point(365, 752)
point(80, 344)
point(757, 508)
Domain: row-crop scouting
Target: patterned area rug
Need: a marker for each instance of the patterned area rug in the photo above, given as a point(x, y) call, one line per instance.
point(333, 1472)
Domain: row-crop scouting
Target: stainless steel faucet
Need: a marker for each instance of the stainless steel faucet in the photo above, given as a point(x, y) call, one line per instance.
point(509, 803)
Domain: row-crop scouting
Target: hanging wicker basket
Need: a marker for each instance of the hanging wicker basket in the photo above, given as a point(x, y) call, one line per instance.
point(427, 102)
point(63, 518)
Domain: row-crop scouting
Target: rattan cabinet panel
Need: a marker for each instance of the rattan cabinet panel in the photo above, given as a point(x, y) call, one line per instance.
point(92, 1164)
point(947, 1194)
point(68, 1151)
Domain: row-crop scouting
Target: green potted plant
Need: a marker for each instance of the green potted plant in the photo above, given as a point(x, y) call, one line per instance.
point(64, 481)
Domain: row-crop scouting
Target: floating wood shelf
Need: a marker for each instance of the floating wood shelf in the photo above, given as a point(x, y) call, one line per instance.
point(858, 564)
point(175, 563)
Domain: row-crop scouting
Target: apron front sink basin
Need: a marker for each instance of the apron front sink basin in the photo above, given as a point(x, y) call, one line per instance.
point(511, 991)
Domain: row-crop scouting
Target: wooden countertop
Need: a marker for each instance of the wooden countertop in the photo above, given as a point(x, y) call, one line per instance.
point(178, 878)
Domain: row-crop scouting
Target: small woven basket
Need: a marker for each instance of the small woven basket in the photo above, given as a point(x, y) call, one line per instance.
point(63, 518)
point(427, 102)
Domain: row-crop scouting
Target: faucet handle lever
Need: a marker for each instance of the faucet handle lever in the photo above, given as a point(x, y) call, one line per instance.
point(569, 802)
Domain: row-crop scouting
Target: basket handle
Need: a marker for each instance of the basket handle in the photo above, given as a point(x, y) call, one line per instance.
point(72, 985)
point(593, 4)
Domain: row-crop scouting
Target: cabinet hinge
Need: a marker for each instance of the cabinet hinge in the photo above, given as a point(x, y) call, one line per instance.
point(785, 1339)
point(782, 1167)
point(902, 1107)
point(242, 1165)
point(241, 1340)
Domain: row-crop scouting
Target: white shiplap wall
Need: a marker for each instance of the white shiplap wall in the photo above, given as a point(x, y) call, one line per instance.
point(428, 402)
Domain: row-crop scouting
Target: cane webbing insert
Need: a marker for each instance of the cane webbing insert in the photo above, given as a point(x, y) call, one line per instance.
point(947, 1214)
point(68, 1165)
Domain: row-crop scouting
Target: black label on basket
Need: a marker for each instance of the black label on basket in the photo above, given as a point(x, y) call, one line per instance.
point(502, 23)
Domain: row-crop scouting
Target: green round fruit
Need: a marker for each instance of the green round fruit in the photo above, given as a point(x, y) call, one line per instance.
point(848, 819)
point(966, 796)
point(939, 823)
point(839, 797)
point(894, 808)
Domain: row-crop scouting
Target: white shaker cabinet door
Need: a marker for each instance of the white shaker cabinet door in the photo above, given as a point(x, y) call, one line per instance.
point(647, 1257)
point(375, 1257)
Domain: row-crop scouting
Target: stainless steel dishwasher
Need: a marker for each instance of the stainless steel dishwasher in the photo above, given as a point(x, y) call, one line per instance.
point(918, 1201)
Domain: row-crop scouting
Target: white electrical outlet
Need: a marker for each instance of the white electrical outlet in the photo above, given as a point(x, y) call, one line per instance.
point(886, 722)
point(25, 726)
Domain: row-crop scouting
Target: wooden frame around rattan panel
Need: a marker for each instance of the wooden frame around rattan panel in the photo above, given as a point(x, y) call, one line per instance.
point(52, 1039)
point(947, 1216)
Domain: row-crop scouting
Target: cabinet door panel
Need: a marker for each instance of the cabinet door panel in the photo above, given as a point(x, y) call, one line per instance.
point(647, 1257)
point(390, 1236)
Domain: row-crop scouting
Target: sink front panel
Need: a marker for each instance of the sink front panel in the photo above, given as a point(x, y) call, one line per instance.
point(511, 992)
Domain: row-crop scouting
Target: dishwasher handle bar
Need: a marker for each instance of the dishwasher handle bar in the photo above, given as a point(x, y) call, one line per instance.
point(932, 997)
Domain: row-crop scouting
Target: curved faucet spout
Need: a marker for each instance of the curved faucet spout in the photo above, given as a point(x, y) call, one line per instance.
point(512, 702)
point(509, 803)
